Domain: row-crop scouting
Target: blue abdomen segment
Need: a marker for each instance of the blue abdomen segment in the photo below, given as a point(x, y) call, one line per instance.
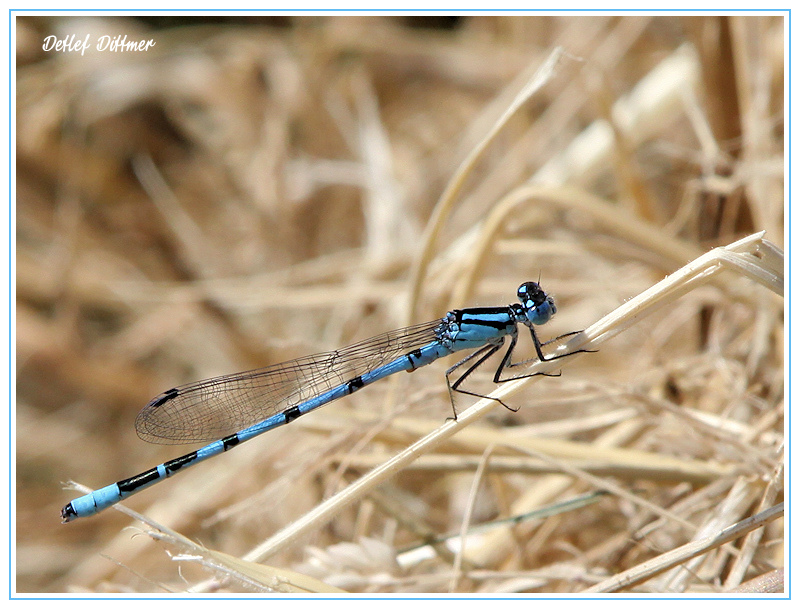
point(107, 496)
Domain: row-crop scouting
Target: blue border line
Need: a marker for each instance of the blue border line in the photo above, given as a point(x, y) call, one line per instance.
point(543, 12)
point(522, 597)
point(788, 320)
point(12, 291)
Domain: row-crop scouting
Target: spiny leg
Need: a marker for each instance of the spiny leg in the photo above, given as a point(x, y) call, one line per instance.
point(540, 357)
point(506, 363)
point(484, 353)
point(558, 338)
point(562, 336)
point(487, 351)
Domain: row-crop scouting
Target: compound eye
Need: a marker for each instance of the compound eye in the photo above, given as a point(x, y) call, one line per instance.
point(528, 291)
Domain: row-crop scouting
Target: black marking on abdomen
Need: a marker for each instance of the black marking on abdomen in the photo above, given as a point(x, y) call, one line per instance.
point(354, 384)
point(165, 397)
point(291, 414)
point(415, 354)
point(173, 465)
point(68, 513)
point(229, 442)
point(131, 485)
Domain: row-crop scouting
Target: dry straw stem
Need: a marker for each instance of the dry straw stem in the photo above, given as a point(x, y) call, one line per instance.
point(474, 490)
point(448, 199)
point(250, 575)
point(670, 251)
point(623, 462)
point(752, 256)
point(745, 558)
point(657, 99)
point(693, 549)
point(258, 577)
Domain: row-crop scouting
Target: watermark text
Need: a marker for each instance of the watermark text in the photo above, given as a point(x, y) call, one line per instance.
point(114, 44)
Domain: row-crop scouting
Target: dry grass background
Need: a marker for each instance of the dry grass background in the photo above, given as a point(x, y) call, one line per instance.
point(254, 190)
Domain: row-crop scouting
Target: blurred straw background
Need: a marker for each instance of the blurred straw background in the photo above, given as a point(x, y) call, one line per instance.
point(251, 190)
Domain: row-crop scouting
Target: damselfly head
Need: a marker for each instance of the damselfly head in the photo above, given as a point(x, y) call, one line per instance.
point(539, 307)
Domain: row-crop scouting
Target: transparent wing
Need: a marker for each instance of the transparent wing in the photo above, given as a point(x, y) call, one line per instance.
point(217, 407)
